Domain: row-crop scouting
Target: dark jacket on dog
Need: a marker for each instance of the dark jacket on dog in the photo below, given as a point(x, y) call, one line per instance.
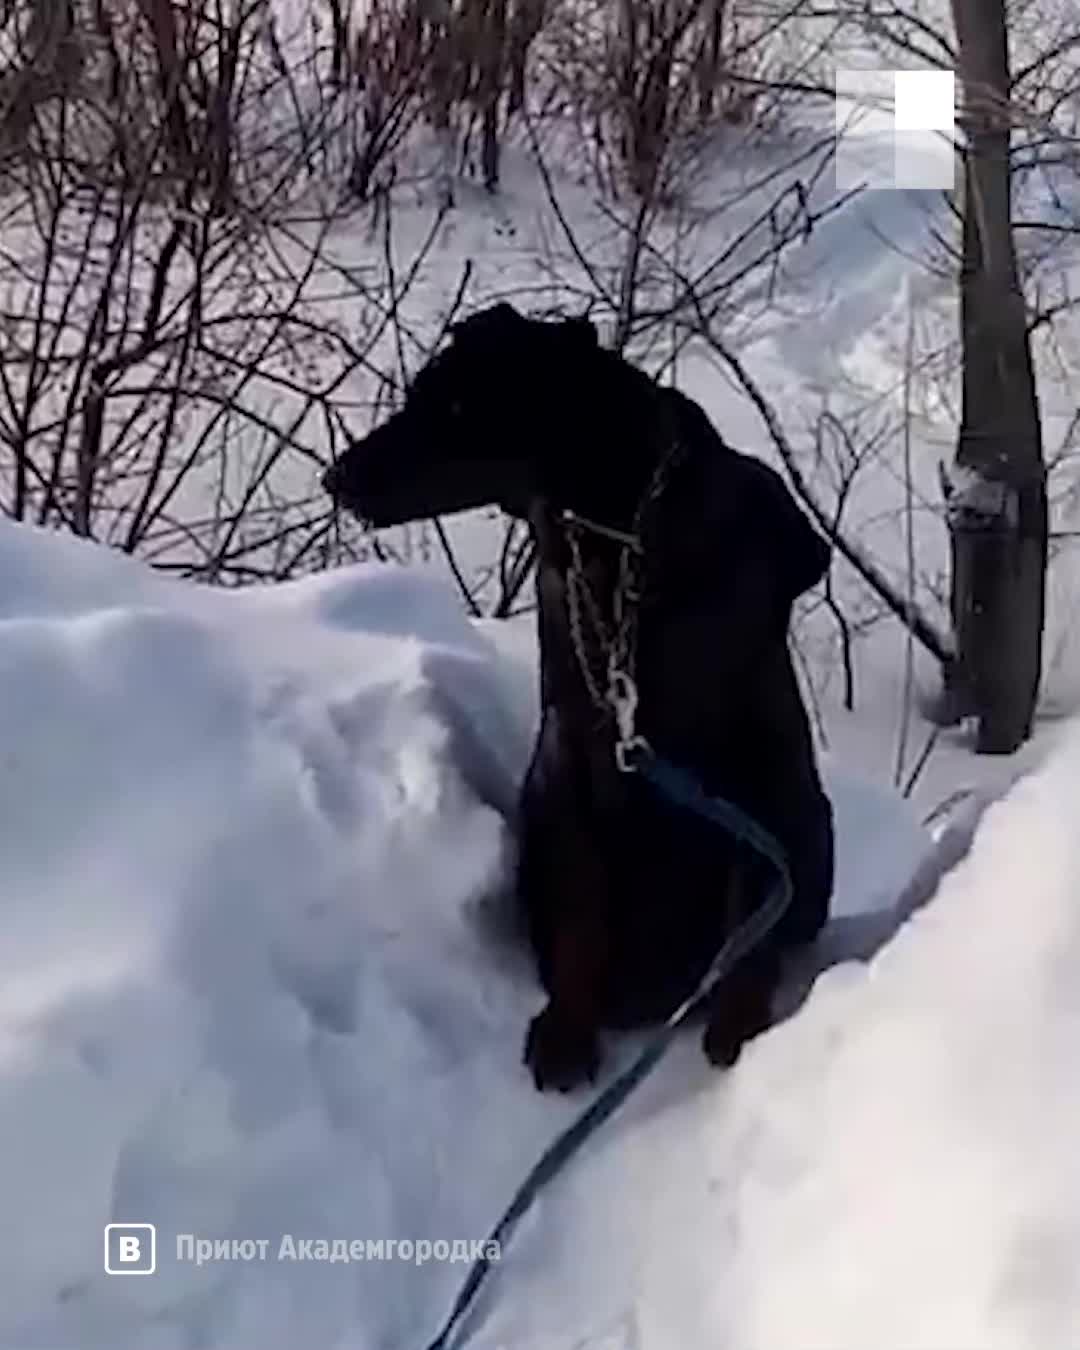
point(627, 897)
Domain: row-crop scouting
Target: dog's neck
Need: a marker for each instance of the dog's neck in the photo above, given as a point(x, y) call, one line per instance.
point(618, 431)
point(613, 478)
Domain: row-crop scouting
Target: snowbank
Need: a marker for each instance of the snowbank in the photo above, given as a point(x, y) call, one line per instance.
point(896, 1167)
point(257, 978)
point(244, 987)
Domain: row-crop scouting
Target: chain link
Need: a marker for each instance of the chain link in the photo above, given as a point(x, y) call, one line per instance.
point(615, 694)
point(579, 597)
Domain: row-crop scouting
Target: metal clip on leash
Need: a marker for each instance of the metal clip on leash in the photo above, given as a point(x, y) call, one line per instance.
point(623, 697)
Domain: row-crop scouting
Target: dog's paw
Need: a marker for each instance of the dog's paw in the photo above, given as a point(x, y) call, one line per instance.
point(560, 1052)
point(732, 1023)
point(722, 1043)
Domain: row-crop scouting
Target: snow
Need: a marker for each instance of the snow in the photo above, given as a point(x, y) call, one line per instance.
point(893, 1168)
point(258, 977)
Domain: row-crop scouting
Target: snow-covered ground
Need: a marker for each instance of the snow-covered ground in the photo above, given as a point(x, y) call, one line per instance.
point(257, 978)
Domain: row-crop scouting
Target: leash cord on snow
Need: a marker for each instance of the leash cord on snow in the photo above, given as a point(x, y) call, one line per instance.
point(682, 789)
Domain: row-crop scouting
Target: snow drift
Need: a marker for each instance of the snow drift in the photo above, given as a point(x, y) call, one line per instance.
point(257, 977)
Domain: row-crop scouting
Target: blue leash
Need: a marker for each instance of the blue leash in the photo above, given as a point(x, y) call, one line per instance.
point(682, 789)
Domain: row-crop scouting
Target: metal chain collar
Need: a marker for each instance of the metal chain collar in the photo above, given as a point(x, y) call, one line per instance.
point(614, 694)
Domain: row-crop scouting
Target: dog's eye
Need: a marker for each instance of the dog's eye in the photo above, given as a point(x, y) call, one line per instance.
point(456, 408)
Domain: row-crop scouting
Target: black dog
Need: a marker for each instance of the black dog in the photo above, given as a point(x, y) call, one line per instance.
point(626, 896)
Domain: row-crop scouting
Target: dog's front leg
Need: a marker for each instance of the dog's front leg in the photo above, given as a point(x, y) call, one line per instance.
point(562, 1047)
point(741, 1008)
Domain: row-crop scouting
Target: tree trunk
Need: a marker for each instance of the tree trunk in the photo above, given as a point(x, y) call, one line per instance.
point(340, 71)
point(707, 72)
point(161, 21)
point(493, 46)
point(52, 45)
point(220, 135)
point(49, 62)
point(440, 18)
point(997, 490)
point(527, 20)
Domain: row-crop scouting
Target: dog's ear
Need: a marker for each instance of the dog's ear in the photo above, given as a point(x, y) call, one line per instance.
point(802, 556)
point(583, 330)
point(495, 319)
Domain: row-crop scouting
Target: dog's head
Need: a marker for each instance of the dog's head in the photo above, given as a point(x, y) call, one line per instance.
point(479, 424)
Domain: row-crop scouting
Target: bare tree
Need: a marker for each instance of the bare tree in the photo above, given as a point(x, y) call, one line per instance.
point(997, 489)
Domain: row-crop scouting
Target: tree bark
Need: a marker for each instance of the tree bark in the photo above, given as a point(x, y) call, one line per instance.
point(49, 62)
point(160, 19)
point(340, 65)
point(707, 72)
point(492, 49)
point(526, 22)
point(997, 490)
point(440, 18)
